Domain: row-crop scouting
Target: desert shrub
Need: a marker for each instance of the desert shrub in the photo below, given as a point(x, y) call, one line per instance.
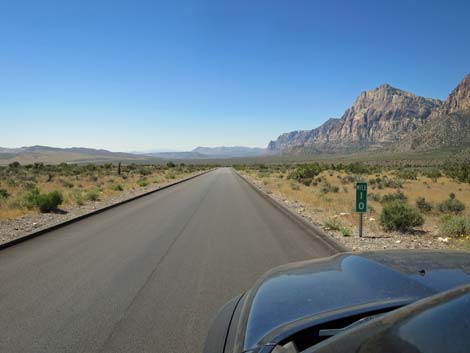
point(327, 187)
point(4, 194)
point(66, 183)
point(397, 196)
point(392, 183)
point(348, 179)
point(78, 198)
point(144, 171)
point(116, 187)
point(455, 225)
point(142, 182)
point(345, 231)
point(357, 168)
point(333, 223)
point(306, 181)
point(306, 171)
point(171, 165)
point(49, 202)
point(423, 205)
point(407, 174)
point(31, 198)
point(458, 170)
point(399, 216)
point(451, 205)
point(432, 173)
point(375, 197)
point(93, 195)
point(29, 185)
point(294, 186)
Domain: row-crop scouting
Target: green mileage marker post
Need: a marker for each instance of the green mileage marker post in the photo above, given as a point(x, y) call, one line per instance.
point(361, 203)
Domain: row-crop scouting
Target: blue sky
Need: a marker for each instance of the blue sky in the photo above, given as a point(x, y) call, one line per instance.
point(141, 75)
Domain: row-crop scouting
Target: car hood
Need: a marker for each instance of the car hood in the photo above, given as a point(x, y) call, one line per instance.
point(305, 289)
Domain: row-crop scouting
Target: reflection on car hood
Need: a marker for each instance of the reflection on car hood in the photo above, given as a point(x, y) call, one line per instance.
point(299, 290)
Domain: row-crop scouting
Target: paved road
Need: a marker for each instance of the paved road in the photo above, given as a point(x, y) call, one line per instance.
point(146, 276)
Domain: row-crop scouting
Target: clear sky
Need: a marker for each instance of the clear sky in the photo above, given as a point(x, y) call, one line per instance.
point(142, 75)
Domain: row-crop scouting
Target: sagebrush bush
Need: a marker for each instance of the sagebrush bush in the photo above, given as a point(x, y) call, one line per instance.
point(306, 171)
point(375, 197)
point(31, 198)
point(327, 187)
point(117, 187)
point(345, 231)
point(432, 173)
point(93, 195)
point(78, 198)
point(407, 174)
point(142, 182)
point(358, 168)
point(423, 205)
point(451, 205)
point(4, 194)
point(333, 223)
point(399, 216)
point(455, 225)
point(458, 170)
point(66, 183)
point(49, 202)
point(397, 196)
point(394, 183)
point(294, 186)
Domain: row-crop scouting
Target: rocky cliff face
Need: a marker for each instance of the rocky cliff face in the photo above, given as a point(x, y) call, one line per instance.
point(379, 117)
point(448, 126)
point(459, 98)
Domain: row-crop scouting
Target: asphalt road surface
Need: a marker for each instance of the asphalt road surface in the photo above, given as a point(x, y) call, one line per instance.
point(147, 276)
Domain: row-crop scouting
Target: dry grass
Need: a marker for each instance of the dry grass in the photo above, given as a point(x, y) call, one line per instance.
point(341, 203)
point(76, 183)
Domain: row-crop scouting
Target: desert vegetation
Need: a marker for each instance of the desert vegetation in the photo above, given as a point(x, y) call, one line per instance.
point(41, 188)
point(405, 198)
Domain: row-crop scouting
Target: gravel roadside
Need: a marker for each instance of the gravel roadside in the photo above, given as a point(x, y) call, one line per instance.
point(16, 228)
point(384, 240)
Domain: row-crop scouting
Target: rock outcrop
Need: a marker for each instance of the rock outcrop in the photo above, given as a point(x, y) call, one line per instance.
point(387, 117)
point(448, 126)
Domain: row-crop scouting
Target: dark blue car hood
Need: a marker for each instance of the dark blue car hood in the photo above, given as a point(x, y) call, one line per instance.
point(301, 290)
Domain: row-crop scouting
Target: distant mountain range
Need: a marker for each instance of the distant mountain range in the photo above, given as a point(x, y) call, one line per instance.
point(387, 118)
point(221, 152)
point(45, 154)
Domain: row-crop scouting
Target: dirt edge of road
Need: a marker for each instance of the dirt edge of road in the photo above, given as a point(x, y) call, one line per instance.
point(309, 227)
point(34, 234)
